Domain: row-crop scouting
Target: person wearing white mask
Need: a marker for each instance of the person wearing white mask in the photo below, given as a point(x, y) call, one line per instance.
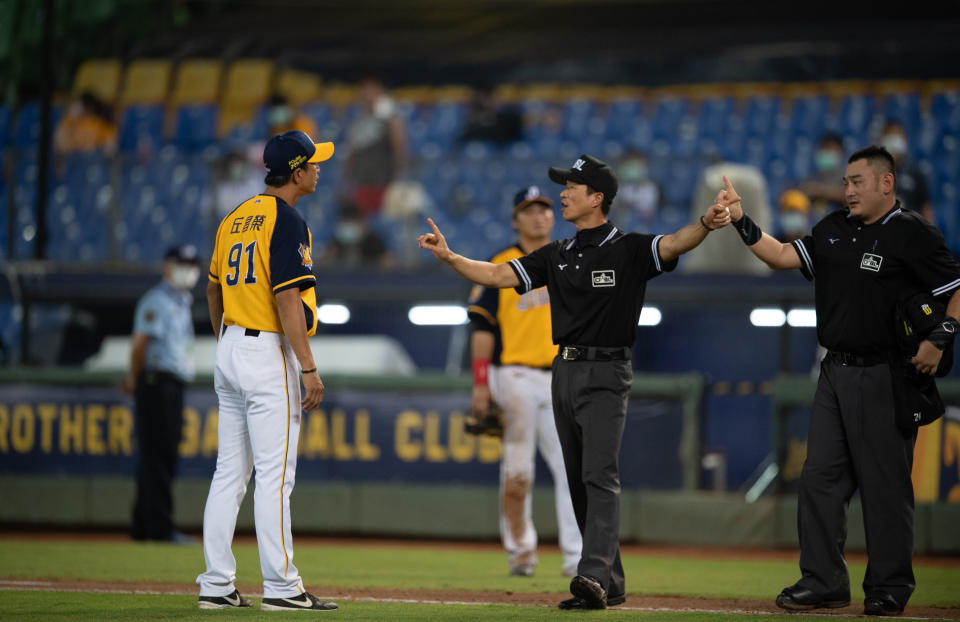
point(638, 191)
point(825, 187)
point(911, 182)
point(160, 367)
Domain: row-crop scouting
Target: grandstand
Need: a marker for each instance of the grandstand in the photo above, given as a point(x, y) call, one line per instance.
point(187, 93)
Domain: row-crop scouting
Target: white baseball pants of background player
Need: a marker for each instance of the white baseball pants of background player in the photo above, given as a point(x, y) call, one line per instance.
point(258, 386)
point(523, 394)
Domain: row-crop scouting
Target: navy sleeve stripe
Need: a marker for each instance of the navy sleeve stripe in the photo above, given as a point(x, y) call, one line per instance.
point(943, 289)
point(655, 249)
point(521, 273)
point(804, 255)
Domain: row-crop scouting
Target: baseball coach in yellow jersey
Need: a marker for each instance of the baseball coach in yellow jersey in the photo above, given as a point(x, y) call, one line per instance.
point(263, 308)
point(512, 350)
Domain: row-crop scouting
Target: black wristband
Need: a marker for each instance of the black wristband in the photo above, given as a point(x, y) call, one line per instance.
point(307, 371)
point(705, 224)
point(748, 230)
point(943, 333)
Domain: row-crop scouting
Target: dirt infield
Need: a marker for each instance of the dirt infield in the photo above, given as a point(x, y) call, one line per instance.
point(525, 599)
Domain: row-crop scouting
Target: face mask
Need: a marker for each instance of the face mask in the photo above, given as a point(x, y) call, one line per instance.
point(793, 222)
point(633, 172)
point(184, 277)
point(348, 232)
point(279, 115)
point(896, 144)
point(236, 170)
point(826, 160)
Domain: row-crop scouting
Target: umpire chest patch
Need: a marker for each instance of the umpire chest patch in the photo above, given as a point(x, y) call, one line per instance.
point(603, 278)
point(871, 262)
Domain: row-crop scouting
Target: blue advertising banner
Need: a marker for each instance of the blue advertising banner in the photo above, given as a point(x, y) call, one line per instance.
point(356, 436)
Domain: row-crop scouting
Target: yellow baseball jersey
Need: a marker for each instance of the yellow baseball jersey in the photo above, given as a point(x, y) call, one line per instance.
point(521, 323)
point(263, 247)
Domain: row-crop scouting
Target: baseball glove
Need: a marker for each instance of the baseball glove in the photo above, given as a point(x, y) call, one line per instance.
point(490, 424)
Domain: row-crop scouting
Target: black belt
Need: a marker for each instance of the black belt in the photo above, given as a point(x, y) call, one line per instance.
point(247, 332)
point(591, 353)
point(848, 359)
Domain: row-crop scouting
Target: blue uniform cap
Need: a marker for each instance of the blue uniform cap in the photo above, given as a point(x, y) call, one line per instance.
point(529, 196)
point(184, 253)
point(286, 152)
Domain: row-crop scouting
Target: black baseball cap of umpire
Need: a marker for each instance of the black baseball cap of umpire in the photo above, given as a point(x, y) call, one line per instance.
point(528, 196)
point(590, 171)
point(286, 152)
point(183, 253)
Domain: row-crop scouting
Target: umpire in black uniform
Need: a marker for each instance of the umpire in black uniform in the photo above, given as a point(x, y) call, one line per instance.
point(596, 281)
point(864, 261)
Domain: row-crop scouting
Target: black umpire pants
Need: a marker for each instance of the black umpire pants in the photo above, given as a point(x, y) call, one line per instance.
point(158, 405)
point(590, 409)
point(854, 442)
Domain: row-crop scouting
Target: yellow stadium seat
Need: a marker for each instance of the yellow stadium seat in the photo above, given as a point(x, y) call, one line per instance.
point(197, 82)
point(299, 87)
point(248, 81)
point(147, 82)
point(101, 77)
point(233, 114)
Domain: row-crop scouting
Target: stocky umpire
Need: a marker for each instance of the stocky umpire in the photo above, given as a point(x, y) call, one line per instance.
point(596, 281)
point(865, 260)
point(160, 366)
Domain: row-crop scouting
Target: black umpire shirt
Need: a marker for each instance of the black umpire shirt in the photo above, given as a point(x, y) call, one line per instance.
point(863, 270)
point(596, 281)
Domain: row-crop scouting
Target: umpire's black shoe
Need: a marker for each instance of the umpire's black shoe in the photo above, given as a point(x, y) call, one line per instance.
point(230, 601)
point(797, 598)
point(579, 603)
point(881, 605)
point(590, 590)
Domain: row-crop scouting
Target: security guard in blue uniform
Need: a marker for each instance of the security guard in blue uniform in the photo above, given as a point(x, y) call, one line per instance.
point(865, 261)
point(596, 281)
point(160, 366)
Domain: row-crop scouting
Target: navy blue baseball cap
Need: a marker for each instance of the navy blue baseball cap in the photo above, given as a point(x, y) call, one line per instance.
point(529, 196)
point(590, 171)
point(286, 152)
point(184, 253)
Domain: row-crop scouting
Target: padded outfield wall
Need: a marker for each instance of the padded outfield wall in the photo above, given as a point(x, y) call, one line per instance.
point(389, 456)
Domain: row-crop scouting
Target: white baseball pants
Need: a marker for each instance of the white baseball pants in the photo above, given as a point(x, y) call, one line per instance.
point(258, 387)
point(523, 394)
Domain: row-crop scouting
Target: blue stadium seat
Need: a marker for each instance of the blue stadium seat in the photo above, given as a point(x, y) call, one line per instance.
point(761, 114)
point(667, 115)
point(26, 128)
point(141, 127)
point(945, 108)
point(4, 124)
point(904, 107)
point(195, 127)
point(713, 117)
point(808, 115)
point(856, 113)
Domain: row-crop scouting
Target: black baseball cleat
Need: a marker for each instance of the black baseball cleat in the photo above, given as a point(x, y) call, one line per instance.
point(301, 602)
point(230, 601)
point(589, 590)
point(579, 603)
point(795, 598)
point(881, 605)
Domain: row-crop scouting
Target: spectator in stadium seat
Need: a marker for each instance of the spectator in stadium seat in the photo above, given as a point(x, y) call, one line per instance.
point(354, 244)
point(282, 117)
point(911, 182)
point(376, 148)
point(489, 120)
point(793, 215)
point(87, 125)
point(825, 188)
point(638, 193)
point(234, 181)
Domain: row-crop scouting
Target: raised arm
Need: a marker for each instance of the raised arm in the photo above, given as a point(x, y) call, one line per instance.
point(480, 272)
point(673, 245)
point(771, 251)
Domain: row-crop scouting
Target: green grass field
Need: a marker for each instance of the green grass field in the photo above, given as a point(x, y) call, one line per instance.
point(399, 567)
